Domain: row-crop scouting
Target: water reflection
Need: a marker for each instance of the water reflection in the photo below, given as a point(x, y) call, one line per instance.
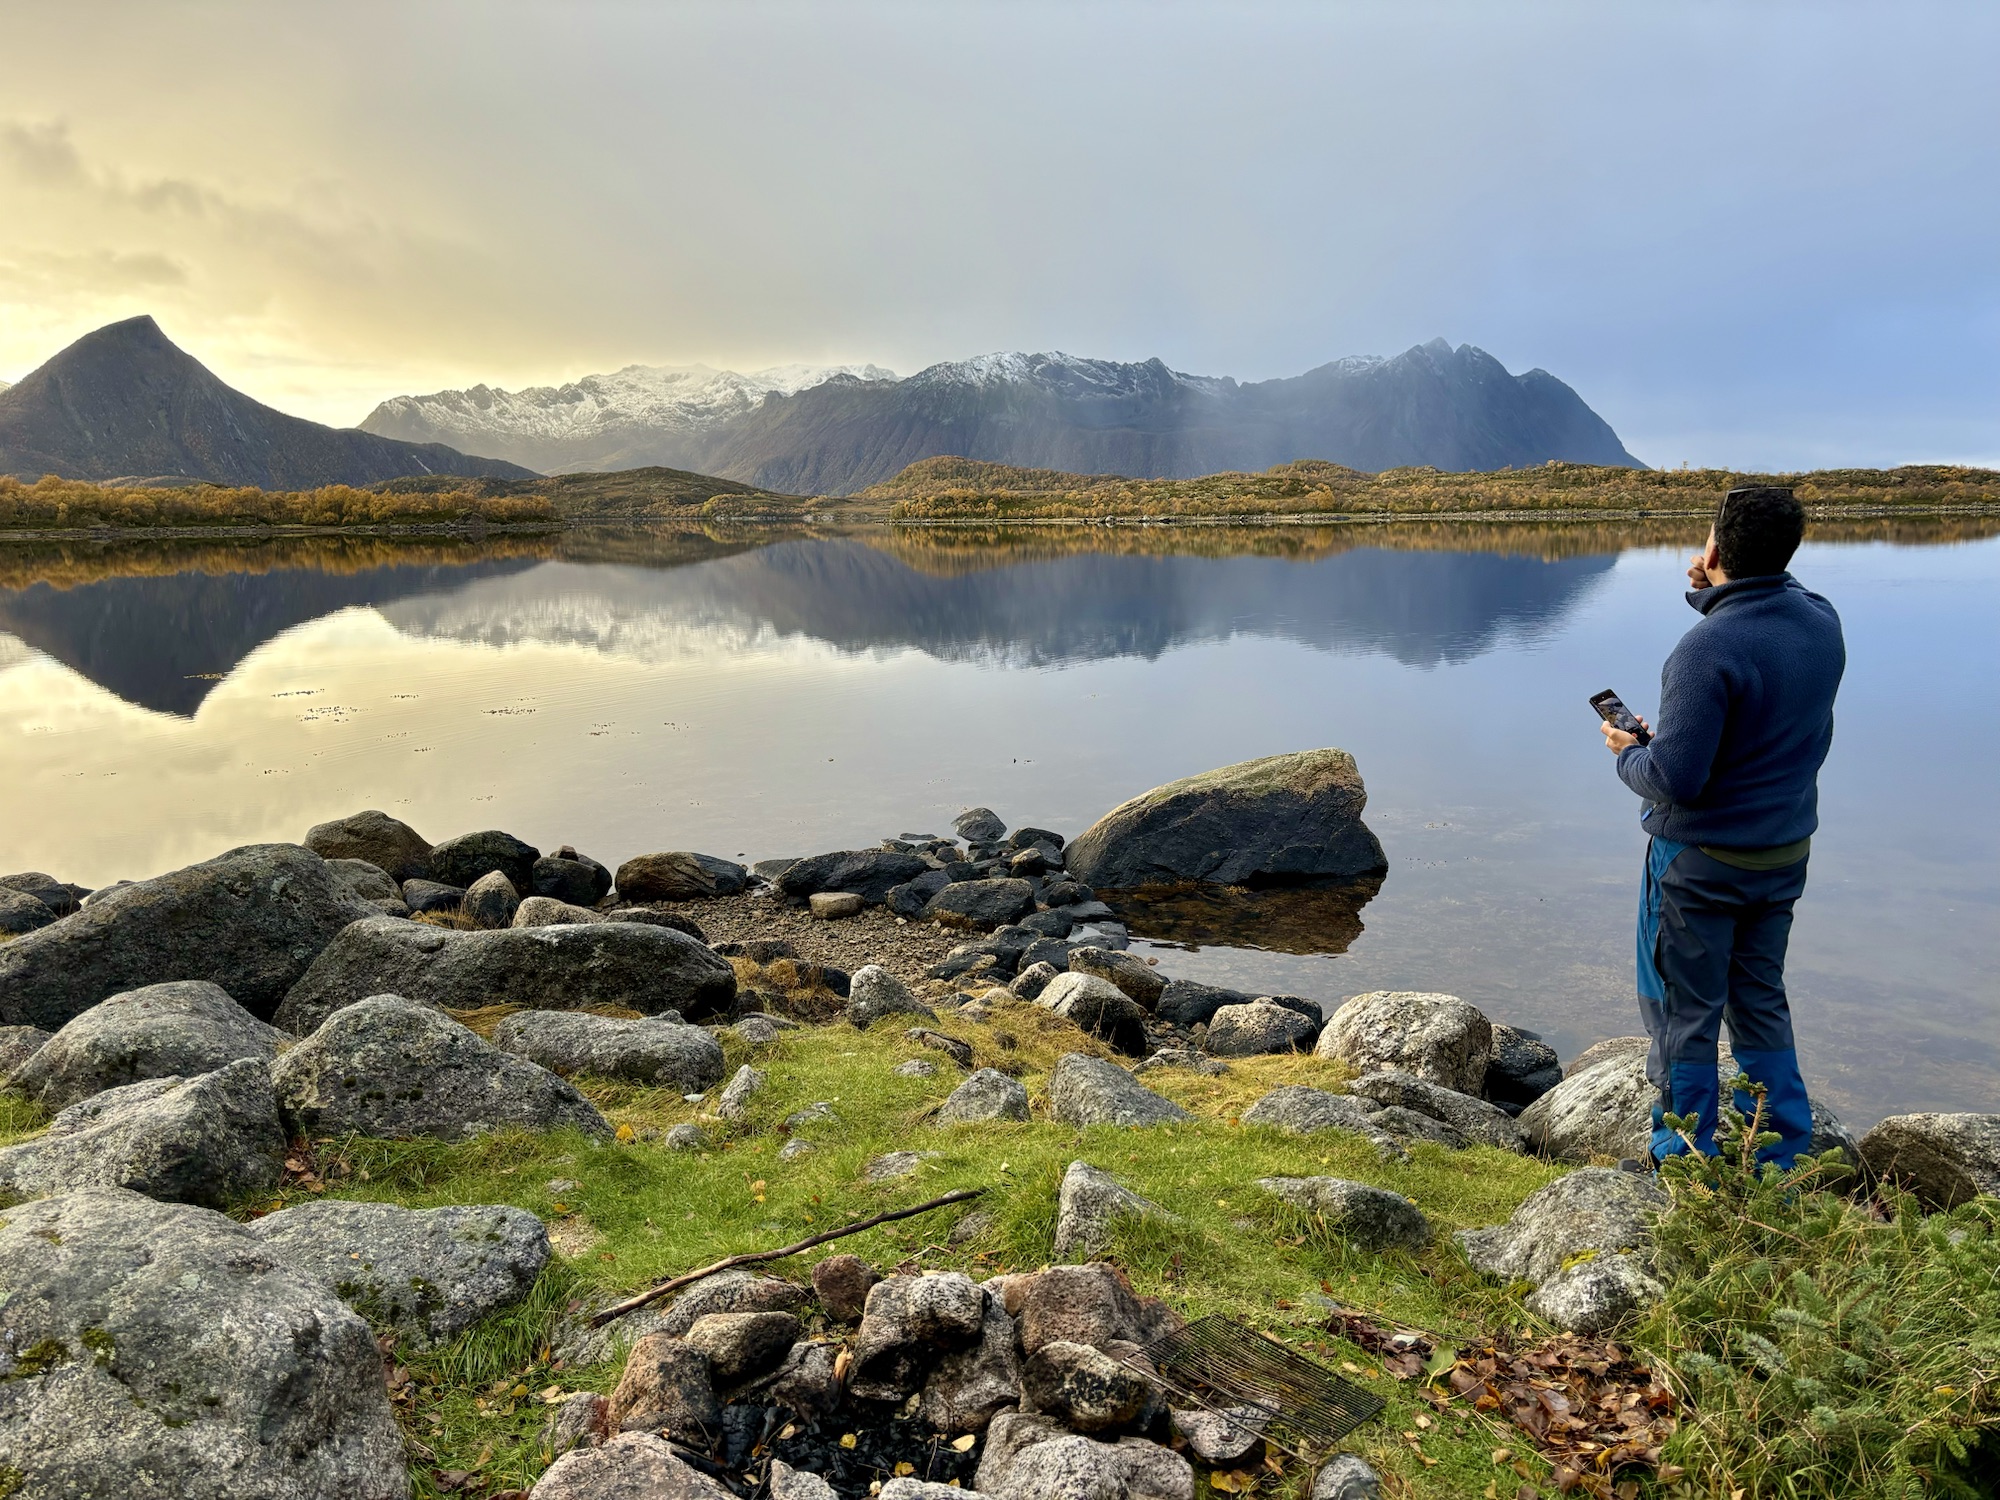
point(1275, 919)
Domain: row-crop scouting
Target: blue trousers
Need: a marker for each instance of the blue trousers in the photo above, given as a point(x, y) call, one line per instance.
point(1712, 948)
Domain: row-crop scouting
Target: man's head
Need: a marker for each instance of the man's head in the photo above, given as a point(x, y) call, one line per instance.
point(1757, 529)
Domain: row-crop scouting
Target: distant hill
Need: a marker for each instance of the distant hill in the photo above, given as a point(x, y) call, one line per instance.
point(1451, 409)
point(125, 401)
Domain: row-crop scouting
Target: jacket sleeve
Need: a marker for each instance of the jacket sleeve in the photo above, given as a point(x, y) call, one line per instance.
point(1694, 706)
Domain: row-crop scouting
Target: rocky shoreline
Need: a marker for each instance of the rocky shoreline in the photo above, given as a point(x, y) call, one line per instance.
point(191, 1036)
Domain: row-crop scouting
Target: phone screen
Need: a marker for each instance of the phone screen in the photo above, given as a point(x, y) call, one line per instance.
point(1611, 708)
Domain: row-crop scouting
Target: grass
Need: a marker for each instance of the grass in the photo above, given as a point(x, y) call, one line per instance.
point(69, 504)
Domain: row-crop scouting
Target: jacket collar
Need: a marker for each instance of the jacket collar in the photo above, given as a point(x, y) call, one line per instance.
point(1708, 600)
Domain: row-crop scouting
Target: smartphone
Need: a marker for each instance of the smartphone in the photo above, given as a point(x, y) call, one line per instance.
point(1612, 710)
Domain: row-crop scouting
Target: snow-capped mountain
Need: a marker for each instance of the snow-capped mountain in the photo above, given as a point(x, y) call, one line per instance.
point(642, 414)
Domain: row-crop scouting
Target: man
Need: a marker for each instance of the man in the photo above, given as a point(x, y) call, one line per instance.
point(1731, 783)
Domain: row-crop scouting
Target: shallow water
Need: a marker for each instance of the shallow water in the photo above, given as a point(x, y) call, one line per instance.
point(756, 695)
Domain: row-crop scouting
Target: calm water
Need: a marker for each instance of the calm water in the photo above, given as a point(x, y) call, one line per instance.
point(766, 696)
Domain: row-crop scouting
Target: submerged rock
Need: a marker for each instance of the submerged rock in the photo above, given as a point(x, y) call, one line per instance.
point(174, 1030)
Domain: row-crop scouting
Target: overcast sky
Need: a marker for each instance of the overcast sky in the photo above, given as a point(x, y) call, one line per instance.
point(1756, 234)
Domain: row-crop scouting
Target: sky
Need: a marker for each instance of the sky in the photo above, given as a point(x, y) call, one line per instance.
point(1759, 234)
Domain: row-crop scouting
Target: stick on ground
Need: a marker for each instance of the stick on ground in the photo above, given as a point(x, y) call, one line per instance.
point(653, 1294)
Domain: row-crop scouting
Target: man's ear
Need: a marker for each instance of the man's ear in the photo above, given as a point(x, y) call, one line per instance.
point(1711, 555)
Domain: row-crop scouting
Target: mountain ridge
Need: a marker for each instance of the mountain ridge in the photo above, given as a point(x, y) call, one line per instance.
point(1457, 409)
point(125, 400)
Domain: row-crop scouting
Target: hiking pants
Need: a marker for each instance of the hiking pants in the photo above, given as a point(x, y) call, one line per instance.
point(1712, 946)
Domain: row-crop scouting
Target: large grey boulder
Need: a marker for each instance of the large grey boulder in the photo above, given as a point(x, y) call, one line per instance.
point(1585, 1241)
point(660, 1051)
point(383, 841)
point(1088, 1208)
point(984, 1096)
point(1032, 1457)
point(17, 1045)
point(491, 901)
point(1187, 1002)
point(1302, 1111)
point(206, 1140)
point(387, 1066)
point(1437, 1037)
point(1086, 1090)
point(1371, 1218)
point(1100, 1009)
point(60, 899)
point(1061, 993)
point(179, 1029)
point(873, 992)
point(570, 877)
point(679, 875)
point(647, 969)
point(968, 1387)
point(1523, 1067)
point(547, 911)
point(370, 883)
point(251, 920)
point(21, 912)
point(1472, 1118)
point(1942, 1159)
point(1285, 817)
point(462, 860)
point(428, 1273)
point(981, 904)
point(631, 1466)
point(157, 1352)
point(1140, 981)
point(1261, 1026)
point(867, 873)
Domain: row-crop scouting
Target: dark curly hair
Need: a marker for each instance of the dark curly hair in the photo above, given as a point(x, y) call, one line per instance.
point(1757, 529)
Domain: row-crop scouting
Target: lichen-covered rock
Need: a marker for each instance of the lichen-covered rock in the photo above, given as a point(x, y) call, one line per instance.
point(17, 1045)
point(205, 1140)
point(1030, 1457)
point(1472, 1118)
point(383, 841)
point(1942, 1159)
point(1594, 1212)
point(908, 1322)
point(788, 1483)
point(658, 1051)
point(372, 884)
point(732, 1291)
point(986, 1095)
point(1221, 1437)
point(873, 992)
point(1371, 1218)
point(1088, 1207)
point(428, 1273)
point(842, 1283)
point(1139, 980)
point(1259, 1027)
point(1596, 1295)
point(744, 1085)
point(1090, 1304)
point(743, 1345)
point(1086, 1090)
point(647, 969)
point(156, 1352)
point(461, 861)
point(1302, 1111)
point(667, 1385)
point(1439, 1038)
point(175, 1030)
point(1407, 1125)
point(491, 901)
point(968, 1387)
point(1083, 1388)
point(251, 920)
point(1033, 979)
point(680, 875)
point(632, 1466)
point(1285, 817)
point(1347, 1477)
point(389, 1067)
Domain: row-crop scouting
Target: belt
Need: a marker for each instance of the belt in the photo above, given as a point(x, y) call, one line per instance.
point(1760, 859)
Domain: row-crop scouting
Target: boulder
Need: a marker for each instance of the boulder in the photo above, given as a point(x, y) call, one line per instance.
point(385, 842)
point(1522, 1069)
point(807, 1382)
point(646, 916)
point(1139, 980)
point(680, 875)
point(21, 912)
point(1595, 1296)
point(842, 1284)
point(1029, 1457)
point(1083, 1388)
point(867, 873)
point(1101, 1011)
point(979, 825)
point(667, 1385)
point(835, 906)
point(547, 911)
point(1439, 1038)
point(743, 1345)
point(985, 1096)
point(1090, 1304)
point(462, 860)
point(1407, 1125)
point(1050, 924)
point(251, 920)
point(1036, 838)
point(911, 897)
point(1086, 1090)
point(732, 1291)
point(60, 899)
point(1942, 1159)
point(958, 1051)
point(631, 1466)
point(1595, 1212)
point(1061, 992)
point(873, 992)
point(647, 969)
point(1184, 1002)
point(1370, 1218)
point(743, 1086)
point(1048, 951)
point(1302, 1111)
point(981, 904)
point(660, 1052)
point(582, 1421)
point(569, 877)
point(1283, 818)
point(1474, 1119)
point(907, 1323)
point(491, 901)
point(1032, 980)
point(17, 1045)
point(174, 1030)
point(968, 1387)
point(1347, 1477)
point(788, 1483)
point(368, 882)
point(391, 1067)
point(423, 896)
point(1088, 1208)
point(206, 1140)
point(1261, 1026)
point(428, 1273)
point(156, 1352)
point(1604, 1051)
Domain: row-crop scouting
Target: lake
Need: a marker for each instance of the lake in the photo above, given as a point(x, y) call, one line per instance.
point(754, 695)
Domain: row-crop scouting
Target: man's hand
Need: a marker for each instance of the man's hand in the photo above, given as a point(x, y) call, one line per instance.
point(1616, 739)
point(1698, 575)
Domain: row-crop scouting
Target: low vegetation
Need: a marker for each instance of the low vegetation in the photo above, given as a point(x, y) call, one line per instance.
point(52, 504)
point(649, 494)
point(957, 489)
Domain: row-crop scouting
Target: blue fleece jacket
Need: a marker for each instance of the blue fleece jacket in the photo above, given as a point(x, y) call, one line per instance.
point(1746, 718)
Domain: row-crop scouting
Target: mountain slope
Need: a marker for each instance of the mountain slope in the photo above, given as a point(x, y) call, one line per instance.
point(126, 400)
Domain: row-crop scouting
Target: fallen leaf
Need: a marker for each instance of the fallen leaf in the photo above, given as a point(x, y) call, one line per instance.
point(964, 1444)
point(848, 1440)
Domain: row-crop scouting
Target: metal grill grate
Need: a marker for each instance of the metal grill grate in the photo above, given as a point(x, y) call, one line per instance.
point(1218, 1364)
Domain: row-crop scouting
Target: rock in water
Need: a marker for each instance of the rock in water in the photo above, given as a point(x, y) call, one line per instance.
point(1090, 1203)
point(383, 841)
point(390, 1067)
point(1282, 818)
point(658, 1052)
point(251, 920)
point(1371, 1218)
point(1086, 1090)
point(175, 1030)
point(1943, 1159)
point(203, 1140)
point(491, 901)
point(156, 1352)
point(679, 875)
point(1439, 1038)
point(463, 860)
point(563, 967)
point(979, 825)
point(429, 1273)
